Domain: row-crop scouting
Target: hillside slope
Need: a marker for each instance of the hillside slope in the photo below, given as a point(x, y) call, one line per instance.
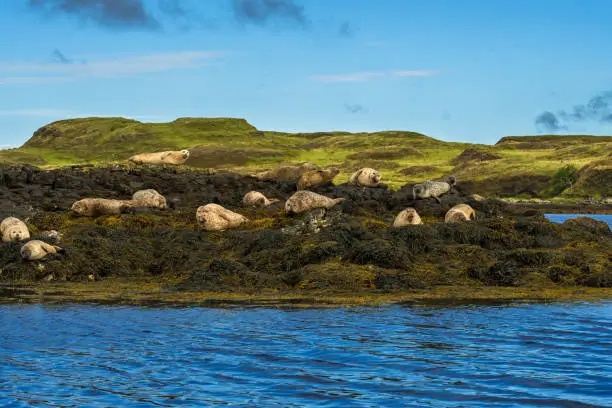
point(515, 166)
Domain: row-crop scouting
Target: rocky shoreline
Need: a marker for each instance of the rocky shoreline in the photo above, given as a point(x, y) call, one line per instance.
point(348, 250)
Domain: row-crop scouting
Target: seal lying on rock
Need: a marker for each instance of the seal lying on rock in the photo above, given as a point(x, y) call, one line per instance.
point(13, 229)
point(409, 216)
point(213, 217)
point(35, 249)
point(149, 198)
point(460, 212)
point(52, 234)
point(285, 173)
point(366, 177)
point(307, 200)
point(94, 207)
point(316, 177)
point(429, 189)
point(257, 199)
point(167, 157)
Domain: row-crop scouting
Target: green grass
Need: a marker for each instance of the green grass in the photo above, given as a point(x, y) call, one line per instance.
point(233, 144)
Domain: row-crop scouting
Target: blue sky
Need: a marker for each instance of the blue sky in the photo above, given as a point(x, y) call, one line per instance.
point(457, 70)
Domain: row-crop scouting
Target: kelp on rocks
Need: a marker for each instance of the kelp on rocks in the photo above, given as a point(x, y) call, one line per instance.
point(350, 248)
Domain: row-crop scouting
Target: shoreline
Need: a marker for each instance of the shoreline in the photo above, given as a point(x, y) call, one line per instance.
point(560, 208)
point(114, 291)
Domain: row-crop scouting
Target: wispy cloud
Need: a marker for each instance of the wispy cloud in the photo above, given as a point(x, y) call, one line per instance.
point(35, 73)
point(109, 13)
point(4, 146)
point(367, 76)
point(66, 114)
point(260, 12)
point(355, 108)
point(597, 109)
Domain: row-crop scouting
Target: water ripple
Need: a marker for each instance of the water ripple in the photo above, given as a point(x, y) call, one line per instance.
point(468, 356)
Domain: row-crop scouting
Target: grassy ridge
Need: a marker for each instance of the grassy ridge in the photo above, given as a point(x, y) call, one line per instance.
point(402, 157)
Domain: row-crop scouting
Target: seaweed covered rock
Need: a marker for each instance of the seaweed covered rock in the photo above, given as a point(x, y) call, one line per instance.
point(350, 247)
point(588, 223)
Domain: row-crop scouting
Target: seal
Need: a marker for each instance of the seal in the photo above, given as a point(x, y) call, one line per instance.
point(366, 177)
point(305, 200)
point(56, 236)
point(213, 217)
point(460, 212)
point(257, 199)
point(408, 216)
point(149, 198)
point(166, 157)
point(285, 173)
point(35, 249)
point(429, 189)
point(13, 229)
point(94, 207)
point(316, 177)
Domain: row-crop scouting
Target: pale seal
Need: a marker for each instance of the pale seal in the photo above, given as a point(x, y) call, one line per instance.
point(408, 216)
point(94, 207)
point(285, 173)
point(317, 177)
point(257, 199)
point(149, 198)
point(366, 177)
point(460, 212)
point(13, 229)
point(304, 200)
point(213, 217)
point(166, 157)
point(35, 249)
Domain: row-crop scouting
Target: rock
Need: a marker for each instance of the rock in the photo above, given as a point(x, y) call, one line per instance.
point(589, 223)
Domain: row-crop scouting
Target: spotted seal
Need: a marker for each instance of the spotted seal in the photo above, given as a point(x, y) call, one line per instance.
point(94, 207)
point(13, 229)
point(408, 216)
point(305, 200)
point(430, 189)
point(285, 173)
point(460, 212)
point(366, 177)
point(213, 217)
point(35, 250)
point(257, 199)
point(166, 157)
point(317, 177)
point(150, 198)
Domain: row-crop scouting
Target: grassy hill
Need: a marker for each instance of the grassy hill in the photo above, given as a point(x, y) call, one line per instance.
point(516, 165)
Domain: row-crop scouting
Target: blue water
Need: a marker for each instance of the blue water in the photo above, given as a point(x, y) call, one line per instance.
point(562, 217)
point(518, 355)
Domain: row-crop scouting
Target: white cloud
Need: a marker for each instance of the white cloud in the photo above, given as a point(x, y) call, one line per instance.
point(367, 76)
point(31, 73)
point(64, 114)
point(4, 147)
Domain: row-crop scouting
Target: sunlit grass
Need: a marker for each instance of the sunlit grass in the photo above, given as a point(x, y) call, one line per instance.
point(235, 145)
